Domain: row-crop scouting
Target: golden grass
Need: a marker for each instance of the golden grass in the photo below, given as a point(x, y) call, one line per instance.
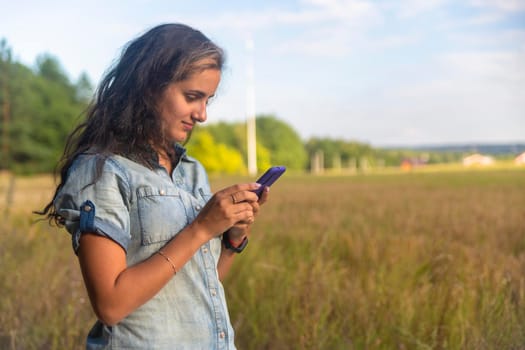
point(420, 260)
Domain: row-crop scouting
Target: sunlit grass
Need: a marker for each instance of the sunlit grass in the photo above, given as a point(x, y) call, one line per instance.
point(418, 260)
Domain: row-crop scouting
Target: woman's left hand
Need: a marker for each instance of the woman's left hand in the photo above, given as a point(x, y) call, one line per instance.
point(242, 228)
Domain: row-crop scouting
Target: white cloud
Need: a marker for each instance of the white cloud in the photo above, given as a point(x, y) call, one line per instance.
point(327, 42)
point(324, 27)
point(412, 8)
point(395, 41)
point(315, 12)
point(347, 10)
point(504, 68)
point(500, 5)
point(512, 39)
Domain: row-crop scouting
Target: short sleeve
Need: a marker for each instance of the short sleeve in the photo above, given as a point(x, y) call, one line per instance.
point(95, 199)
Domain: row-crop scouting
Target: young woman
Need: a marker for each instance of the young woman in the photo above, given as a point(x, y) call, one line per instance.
point(152, 241)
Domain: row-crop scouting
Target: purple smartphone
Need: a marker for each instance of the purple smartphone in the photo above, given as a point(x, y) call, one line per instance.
point(269, 177)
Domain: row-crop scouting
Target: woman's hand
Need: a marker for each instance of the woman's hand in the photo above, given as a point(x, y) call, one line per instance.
point(233, 206)
point(237, 232)
point(242, 229)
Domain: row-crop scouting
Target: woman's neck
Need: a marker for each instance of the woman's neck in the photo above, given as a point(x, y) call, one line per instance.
point(165, 161)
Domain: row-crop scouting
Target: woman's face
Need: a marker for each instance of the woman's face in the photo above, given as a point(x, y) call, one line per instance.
point(183, 104)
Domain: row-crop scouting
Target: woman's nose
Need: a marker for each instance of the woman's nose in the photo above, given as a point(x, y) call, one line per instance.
point(200, 115)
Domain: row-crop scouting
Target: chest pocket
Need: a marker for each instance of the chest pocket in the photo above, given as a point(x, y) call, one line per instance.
point(162, 214)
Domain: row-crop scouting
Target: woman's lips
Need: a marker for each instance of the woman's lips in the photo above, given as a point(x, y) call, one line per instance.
point(187, 126)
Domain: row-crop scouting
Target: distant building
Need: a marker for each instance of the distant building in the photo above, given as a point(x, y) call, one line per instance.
point(411, 163)
point(477, 160)
point(520, 160)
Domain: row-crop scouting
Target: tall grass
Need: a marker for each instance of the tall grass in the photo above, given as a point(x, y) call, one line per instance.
point(402, 261)
point(43, 303)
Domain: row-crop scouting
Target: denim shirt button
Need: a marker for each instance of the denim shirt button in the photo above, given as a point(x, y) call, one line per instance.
point(198, 207)
point(222, 335)
point(87, 208)
point(162, 192)
point(204, 250)
point(213, 292)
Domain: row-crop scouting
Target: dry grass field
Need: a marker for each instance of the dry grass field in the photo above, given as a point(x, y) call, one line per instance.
point(421, 260)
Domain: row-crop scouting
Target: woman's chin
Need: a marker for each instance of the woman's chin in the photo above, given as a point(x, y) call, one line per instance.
point(180, 137)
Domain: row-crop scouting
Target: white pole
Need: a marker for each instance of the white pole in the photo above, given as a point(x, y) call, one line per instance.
point(250, 112)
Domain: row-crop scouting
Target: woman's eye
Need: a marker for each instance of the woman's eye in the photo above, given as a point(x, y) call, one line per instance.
point(191, 98)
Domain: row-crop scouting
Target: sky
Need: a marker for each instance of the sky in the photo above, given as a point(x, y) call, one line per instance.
point(384, 72)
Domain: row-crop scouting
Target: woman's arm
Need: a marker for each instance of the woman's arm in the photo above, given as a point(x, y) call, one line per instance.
point(227, 256)
point(115, 289)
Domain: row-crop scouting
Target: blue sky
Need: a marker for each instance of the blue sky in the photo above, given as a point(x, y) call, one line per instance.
point(412, 72)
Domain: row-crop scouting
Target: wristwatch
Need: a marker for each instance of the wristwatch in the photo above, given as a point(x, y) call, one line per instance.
point(228, 244)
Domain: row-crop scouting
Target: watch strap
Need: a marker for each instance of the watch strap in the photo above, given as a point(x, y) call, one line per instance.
point(229, 245)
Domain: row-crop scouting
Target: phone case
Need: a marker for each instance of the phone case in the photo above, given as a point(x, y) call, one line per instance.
point(269, 177)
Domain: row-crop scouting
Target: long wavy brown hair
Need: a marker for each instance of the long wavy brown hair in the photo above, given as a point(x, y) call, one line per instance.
point(122, 118)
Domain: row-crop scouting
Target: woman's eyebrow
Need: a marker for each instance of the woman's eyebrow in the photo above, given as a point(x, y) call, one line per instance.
point(199, 93)
point(196, 92)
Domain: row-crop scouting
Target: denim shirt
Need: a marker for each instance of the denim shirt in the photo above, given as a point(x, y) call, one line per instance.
point(141, 210)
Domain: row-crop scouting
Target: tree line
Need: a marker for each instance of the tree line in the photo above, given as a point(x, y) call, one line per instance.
point(40, 106)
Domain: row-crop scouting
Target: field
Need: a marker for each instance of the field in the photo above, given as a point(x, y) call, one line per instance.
point(419, 260)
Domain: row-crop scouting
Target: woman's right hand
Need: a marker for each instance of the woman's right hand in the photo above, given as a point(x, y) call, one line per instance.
point(226, 208)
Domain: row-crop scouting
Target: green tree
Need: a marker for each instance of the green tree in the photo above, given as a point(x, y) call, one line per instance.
point(84, 88)
point(42, 108)
point(263, 154)
point(215, 157)
point(49, 68)
point(344, 150)
point(282, 141)
point(234, 135)
point(5, 102)
point(227, 133)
